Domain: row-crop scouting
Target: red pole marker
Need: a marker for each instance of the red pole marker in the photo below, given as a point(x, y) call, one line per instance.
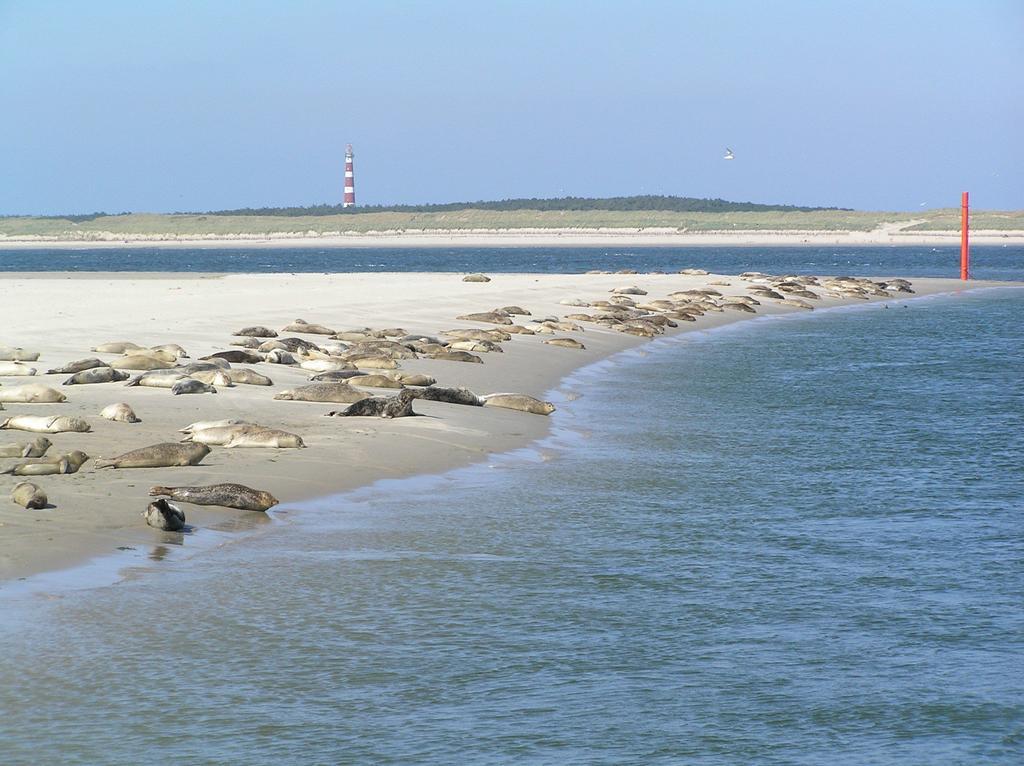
point(965, 248)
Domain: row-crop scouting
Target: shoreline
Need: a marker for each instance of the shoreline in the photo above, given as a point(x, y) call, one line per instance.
point(516, 238)
point(449, 439)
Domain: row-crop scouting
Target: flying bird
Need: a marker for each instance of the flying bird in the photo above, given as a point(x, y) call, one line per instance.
point(729, 155)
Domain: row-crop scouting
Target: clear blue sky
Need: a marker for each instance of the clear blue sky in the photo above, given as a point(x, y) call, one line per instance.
point(162, 106)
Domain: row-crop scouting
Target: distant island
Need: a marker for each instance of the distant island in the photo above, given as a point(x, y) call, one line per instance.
point(637, 220)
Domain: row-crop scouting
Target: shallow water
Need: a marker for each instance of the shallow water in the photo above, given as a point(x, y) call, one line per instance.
point(988, 262)
point(793, 540)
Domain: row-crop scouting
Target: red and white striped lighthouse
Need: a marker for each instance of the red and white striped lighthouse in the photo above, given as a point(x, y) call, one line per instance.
point(350, 179)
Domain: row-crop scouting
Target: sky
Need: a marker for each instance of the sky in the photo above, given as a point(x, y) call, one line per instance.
point(150, 106)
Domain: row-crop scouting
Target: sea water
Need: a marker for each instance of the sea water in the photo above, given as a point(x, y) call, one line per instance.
point(988, 261)
point(793, 540)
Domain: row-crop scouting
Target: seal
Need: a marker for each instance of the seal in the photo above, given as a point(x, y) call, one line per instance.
point(158, 379)
point(10, 369)
point(376, 381)
point(631, 290)
point(290, 344)
point(280, 356)
point(17, 354)
point(163, 455)
point(103, 374)
point(227, 495)
point(520, 402)
point(35, 448)
point(46, 424)
point(48, 466)
point(373, 363)
point(492, 317)
point(172, 349)
point(456, 356)
point(31, 393)
point(564, 343)
point(252, 343)
point(450, 396)
point(139, 362)
point(340, 393)
point(480, 346)
point(257, 331)
point(301, 325)
point(117, 347)
point(476, 278)
point(495, 335)
point(212, 378)
point(192, 386)
point(245, 435)
point(412, 378)
point(323, 365)
point(236, 355)
point(398, 406)
point(244, 376)
point(336, 375)
point(164, 516)
point(202, 425)
point(121, 413)
point(28, 495)
point(515, 310)
point(77, 366)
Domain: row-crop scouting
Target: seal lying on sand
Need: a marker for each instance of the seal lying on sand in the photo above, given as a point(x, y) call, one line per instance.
point(492, 317)
point(157, 379)
point(48, 466)
point(227, 495)
point(457, 356)
point(16, 368)
point(246, 435)
point(256, 332)
point(35, 448)
point(8, 354)
point(340, 393)
point(520, 402)
point(211, 378)
point(163, 515)
point(450, 396)
point(201, 425)
point(235, 355)
point(139, 362)
point(376, 381)
point(336, 375)
point(103, 374)
point(192, 386)
point(399, 406)
point(122, 413)
point(163, 455)
point(476, 278)
point(117, 347)
point(301, 325)
point(248, 377)
point(46, 424)
point(31, 393)
point(28, 495)
point(565, 343)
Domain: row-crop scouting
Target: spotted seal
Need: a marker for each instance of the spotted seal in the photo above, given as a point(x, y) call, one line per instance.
point(227, 495)
point(17, 354)
point(398, 406)
point(47, 466)
point(104, 374)
point(164, 516)
point(192, 386)
point(301, 325)
point(78, 366)
point(340, 393)
point(11, 369)
point(450, 396)
point(163, 455)
point(257, 331)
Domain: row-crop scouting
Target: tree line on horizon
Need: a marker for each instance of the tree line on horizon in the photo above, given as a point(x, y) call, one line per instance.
point(639, 203)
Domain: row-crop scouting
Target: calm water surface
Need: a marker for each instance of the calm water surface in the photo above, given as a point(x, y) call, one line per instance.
point(989, 262)
point(790, 541)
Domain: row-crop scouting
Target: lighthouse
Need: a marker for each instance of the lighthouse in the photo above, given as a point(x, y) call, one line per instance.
point(350, 180)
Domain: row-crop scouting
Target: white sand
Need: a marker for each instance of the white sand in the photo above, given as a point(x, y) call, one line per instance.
point(64, 315)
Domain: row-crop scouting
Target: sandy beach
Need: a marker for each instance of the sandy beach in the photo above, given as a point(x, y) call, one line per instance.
point(520, 237)
point(63, 316)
